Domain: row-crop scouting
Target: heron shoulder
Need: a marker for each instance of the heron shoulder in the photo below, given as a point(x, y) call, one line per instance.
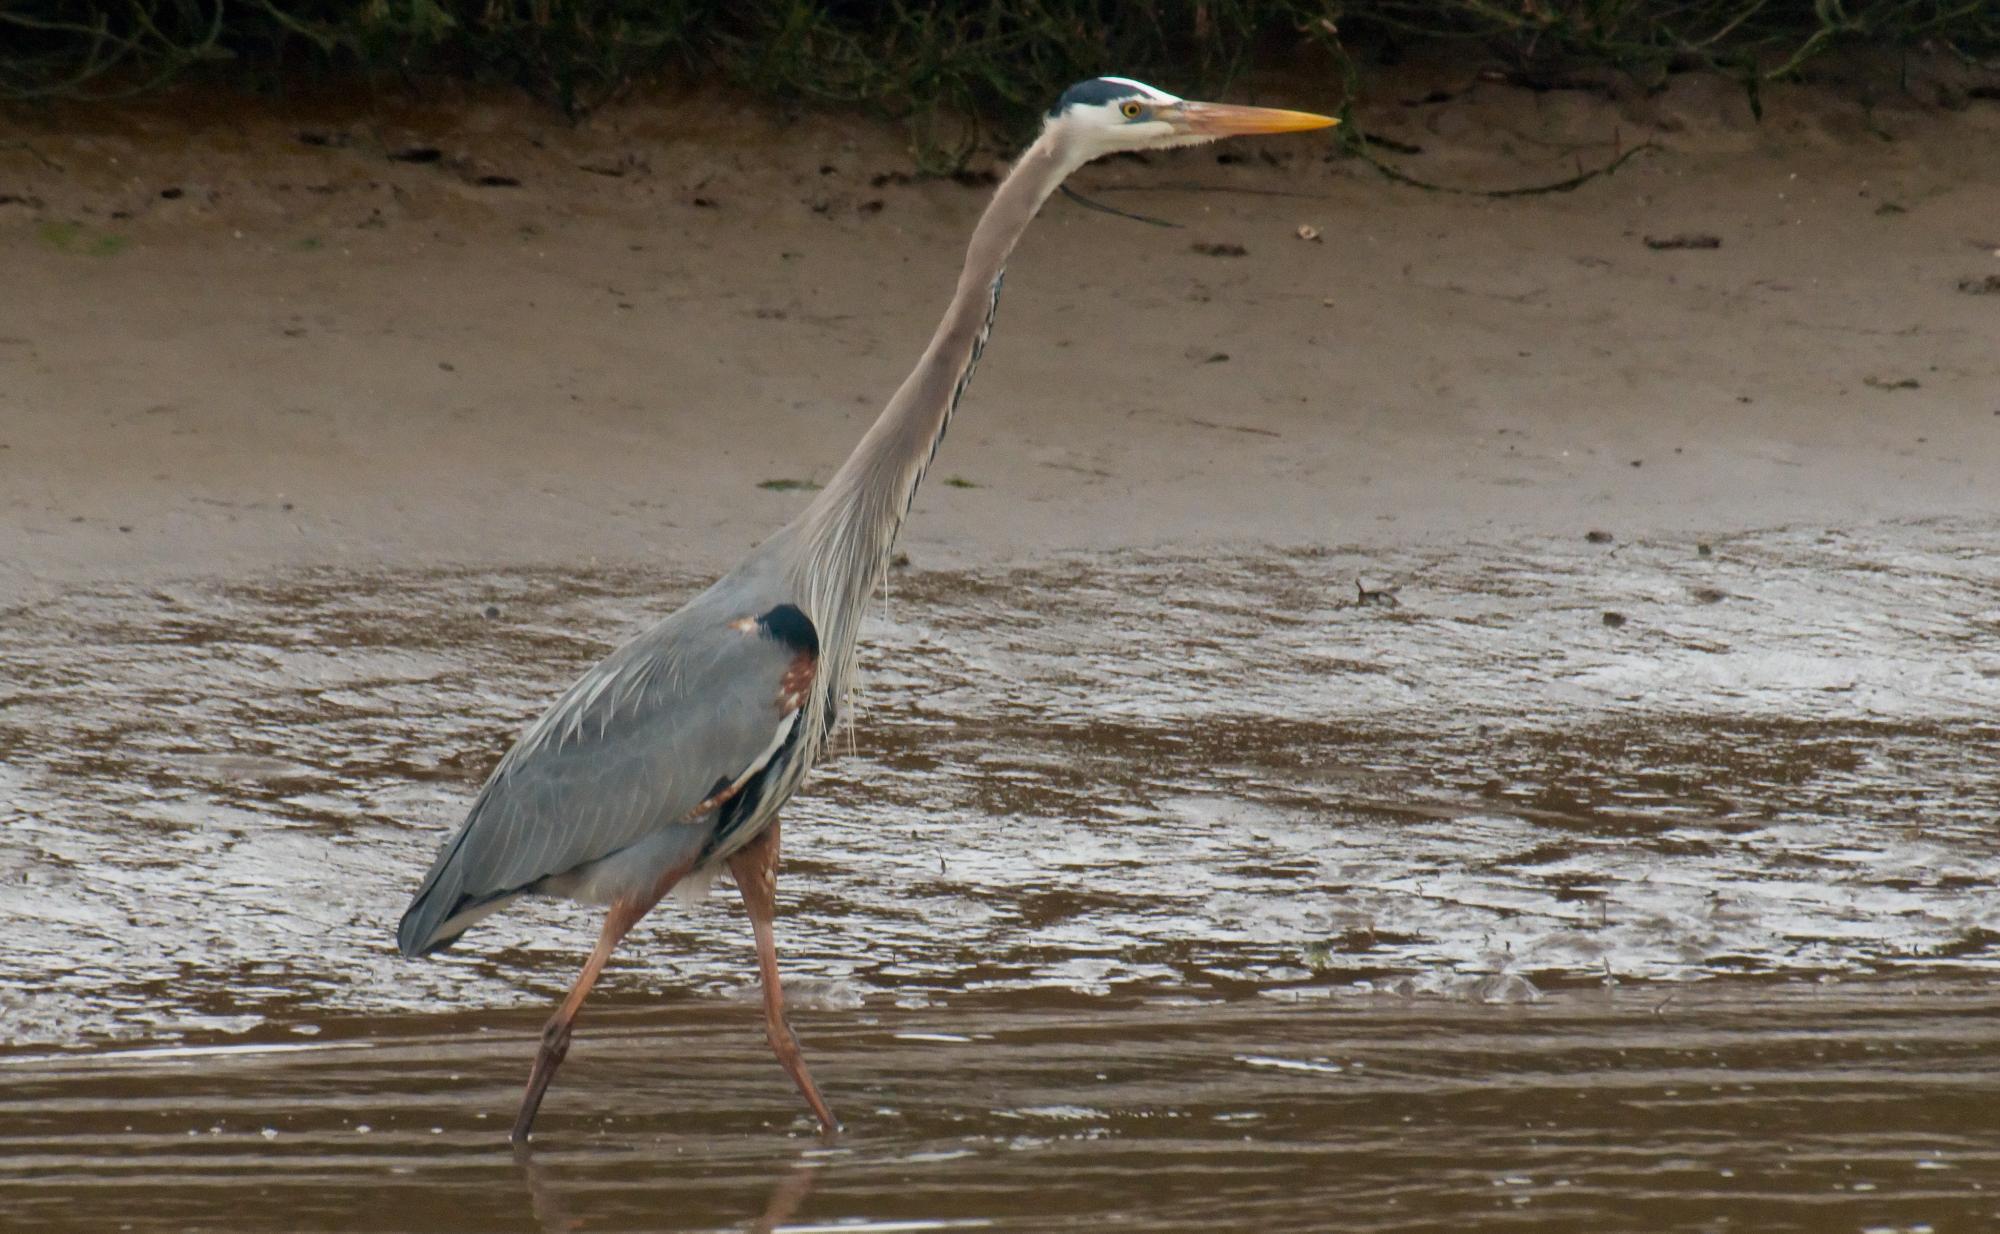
point(702, 663)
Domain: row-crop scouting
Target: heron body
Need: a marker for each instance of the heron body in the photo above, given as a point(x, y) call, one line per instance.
point(669, 761)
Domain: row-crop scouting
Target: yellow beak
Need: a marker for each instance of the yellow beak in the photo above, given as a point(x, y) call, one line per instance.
point(1231, 120)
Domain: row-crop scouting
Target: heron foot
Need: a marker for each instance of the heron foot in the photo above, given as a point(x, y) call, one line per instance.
point(785, 1044)
point(554, 1048)
point(554, 1045)
point(755, 867)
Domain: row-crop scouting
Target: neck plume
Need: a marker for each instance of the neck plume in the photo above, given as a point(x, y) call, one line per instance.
point(842, 541)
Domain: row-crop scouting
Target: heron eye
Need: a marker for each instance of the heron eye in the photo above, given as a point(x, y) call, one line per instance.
point(1130, 110)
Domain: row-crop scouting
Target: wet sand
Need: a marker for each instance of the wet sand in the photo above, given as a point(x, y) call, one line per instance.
point(1268, 808)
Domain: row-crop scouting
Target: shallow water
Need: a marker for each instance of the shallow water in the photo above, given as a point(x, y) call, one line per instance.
point(1758, 1109)
point(1265, 856)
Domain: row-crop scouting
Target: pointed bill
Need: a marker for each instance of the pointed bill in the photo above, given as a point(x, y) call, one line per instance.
point(1232, 120)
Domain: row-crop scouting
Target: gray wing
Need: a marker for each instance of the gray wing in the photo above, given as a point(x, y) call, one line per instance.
point(640, 744)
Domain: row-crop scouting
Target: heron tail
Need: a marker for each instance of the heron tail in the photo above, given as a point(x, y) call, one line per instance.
point(421, 932)
point(440, 913)
point(444, 907)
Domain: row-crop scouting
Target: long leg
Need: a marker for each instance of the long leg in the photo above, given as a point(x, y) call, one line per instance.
point(555, 1034)
point(755, 868)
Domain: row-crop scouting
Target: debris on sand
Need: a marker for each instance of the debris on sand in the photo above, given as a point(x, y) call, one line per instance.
point(1988, 286)
point(1365, 595)
point(1502, 988)
point(1494, 988)
point(1684, 240)
point(1308, 232)
point(615, 168)
point(1219, 250)
point(1597, 536)
point(1614, 619)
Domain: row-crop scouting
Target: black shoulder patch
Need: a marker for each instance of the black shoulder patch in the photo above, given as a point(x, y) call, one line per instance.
point(788, 624)
point(1090, 93)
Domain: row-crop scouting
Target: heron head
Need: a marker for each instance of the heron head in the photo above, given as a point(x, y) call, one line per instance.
point(1108, 115)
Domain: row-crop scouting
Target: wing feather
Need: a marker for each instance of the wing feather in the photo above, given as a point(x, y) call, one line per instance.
point(624, 756)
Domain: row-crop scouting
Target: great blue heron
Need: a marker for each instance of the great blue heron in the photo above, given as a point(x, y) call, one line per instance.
point(670, 759)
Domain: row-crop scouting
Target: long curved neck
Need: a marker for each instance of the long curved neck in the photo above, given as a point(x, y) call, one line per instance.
point(844, 538)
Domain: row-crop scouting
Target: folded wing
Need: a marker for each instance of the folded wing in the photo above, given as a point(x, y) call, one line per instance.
point(635, 758)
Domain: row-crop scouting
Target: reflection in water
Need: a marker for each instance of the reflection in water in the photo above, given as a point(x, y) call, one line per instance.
point(554, 1213)
point(785, 1199)
point(551, 1213)
point(1182, 888)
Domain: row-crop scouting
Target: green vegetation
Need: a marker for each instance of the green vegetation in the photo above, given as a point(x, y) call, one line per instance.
point(68, 237)
point(937, 66)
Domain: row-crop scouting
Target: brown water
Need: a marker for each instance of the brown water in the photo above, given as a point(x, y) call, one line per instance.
point(1158, 892)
